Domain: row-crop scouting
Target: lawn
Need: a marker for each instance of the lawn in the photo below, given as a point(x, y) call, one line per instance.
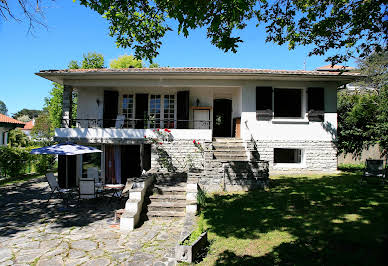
point(300, 220)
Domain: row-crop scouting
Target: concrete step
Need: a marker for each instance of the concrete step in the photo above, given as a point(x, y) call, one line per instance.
point(167, 198)
point(228, 148)
point(165, 214)
point(228, 140)
point(167, 206)
point(230, 153)
point(170, 188)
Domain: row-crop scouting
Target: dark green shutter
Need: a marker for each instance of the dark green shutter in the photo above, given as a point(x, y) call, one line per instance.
point(264, 103)
point(183, 109)
point(316, 104)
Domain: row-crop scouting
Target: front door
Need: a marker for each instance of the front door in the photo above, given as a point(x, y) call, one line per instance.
point(222, 118)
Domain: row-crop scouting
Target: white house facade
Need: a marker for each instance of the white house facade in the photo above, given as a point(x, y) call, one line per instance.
point(287, 118)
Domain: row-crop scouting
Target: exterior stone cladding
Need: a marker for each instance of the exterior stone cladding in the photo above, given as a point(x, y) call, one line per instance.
point(232, 175)
point(179, 156)
point(320, 156)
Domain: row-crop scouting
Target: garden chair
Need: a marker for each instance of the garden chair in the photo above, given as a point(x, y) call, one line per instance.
point(87, 188)
point(374, 168)
point(64, 194)
point(120, 121)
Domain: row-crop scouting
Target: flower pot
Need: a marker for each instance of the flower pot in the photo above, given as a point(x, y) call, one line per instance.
point(189, 253)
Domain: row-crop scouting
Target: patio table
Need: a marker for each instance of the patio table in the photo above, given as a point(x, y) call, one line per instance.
point(115, 188)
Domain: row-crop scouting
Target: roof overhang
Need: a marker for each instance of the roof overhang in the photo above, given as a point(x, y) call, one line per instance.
point(63, 77)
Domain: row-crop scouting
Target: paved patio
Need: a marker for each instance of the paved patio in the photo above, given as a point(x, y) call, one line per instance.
point(39, 234)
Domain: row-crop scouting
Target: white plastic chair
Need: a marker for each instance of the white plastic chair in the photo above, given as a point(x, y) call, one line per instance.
point(64, 193)
point(87, 188)
point(120, 121)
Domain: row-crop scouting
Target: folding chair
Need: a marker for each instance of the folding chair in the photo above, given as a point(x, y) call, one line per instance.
point(374, 168)
point(92, 173)
point(64, 194)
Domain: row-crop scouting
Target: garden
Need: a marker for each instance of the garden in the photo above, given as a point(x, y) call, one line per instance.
point(314, 220)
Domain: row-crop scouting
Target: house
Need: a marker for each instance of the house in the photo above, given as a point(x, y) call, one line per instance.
point(7, 124)
point(286, 119)
point(28, 127)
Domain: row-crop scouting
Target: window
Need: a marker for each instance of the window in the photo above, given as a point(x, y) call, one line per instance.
point(168, 110)
point(288, 103)
point(127, 110)
point(287, 156)
point(154, 117)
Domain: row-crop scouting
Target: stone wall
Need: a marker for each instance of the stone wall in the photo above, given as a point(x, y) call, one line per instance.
point(317, 155)
point(178, 155)
point(232, 176)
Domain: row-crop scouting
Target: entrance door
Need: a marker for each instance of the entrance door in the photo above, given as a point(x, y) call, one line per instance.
point(141, 111)
point(111, 101)
point(222, 118)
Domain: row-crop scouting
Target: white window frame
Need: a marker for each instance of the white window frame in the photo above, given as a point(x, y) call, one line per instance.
point(302, 163)
point(133, 108)
point(303, 118)
point(162, 95)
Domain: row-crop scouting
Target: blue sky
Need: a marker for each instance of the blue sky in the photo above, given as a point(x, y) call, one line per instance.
point(74, 30)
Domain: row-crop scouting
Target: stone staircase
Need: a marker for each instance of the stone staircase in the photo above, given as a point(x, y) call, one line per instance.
point(168, 198)
point(229, 149)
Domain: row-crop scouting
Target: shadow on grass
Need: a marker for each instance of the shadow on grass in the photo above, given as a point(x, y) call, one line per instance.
point(24, 205)
point(332, 219)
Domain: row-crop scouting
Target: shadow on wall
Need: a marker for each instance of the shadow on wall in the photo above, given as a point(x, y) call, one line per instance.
point(330, 221)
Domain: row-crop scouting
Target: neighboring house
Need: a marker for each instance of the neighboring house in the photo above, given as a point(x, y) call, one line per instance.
point(7, 124)
point(288, 118)
point(28, 127)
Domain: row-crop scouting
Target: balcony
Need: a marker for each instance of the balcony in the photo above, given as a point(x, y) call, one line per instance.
point(127, 131)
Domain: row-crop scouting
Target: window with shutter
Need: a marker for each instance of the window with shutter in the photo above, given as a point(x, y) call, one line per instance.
point(263, 103)
point(316, 104)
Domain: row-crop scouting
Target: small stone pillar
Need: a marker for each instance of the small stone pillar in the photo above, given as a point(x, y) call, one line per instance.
point(67, 103)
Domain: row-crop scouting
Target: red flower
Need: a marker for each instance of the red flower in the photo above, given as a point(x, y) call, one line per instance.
point(194, 141)
point(198, 142)
point(153, 130)
point(160, 143)
point(145, 136)
point(158, 129)
point(167, 130)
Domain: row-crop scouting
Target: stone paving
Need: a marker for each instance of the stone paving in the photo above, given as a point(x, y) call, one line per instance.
point(33, 233)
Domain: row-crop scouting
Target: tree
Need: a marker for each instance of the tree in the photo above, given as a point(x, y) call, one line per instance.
point(92, 60)
point(346, 26)
point(363, 114)
point(17, 138)
point(26, 112)
point(24, 118)
point(126, 61)
point(30, 9)
point(43, 128)
point(3, 108)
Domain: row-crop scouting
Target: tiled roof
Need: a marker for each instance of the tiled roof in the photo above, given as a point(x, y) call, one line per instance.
point(334, 68)
point(9, 120)
point(29, 125)
point(204, 70)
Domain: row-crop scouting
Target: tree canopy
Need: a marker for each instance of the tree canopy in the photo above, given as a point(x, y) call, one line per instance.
point(126, 61)
point(349, 27)
point(27, 112)
point(363, 113)
point(3, 108)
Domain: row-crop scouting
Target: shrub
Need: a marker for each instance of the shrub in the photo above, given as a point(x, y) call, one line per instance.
point(13, 160)
point(44, 163)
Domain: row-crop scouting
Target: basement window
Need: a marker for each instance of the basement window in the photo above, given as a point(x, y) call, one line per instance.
point(292, 156)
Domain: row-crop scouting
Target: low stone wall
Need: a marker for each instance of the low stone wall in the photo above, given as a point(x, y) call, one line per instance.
point(232, 176)
point(178, 155)
point(318, 155)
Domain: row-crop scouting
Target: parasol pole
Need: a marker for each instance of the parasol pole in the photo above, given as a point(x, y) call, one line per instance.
point(67, 181)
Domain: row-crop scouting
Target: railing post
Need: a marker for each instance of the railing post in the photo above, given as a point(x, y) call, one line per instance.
point(67, 103)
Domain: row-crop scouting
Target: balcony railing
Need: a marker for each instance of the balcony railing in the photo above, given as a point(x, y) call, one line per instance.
point(136, 123)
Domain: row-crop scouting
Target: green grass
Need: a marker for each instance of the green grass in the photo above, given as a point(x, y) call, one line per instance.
point(304, 220)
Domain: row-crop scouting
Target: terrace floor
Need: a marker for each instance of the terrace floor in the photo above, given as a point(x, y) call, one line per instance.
point(39, 234)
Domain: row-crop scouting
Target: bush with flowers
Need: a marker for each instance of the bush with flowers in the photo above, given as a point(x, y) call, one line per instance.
point(164, 159)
